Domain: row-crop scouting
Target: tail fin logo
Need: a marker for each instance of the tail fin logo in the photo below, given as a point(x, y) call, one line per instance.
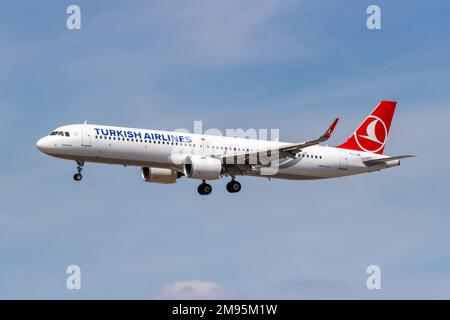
point(371, 135)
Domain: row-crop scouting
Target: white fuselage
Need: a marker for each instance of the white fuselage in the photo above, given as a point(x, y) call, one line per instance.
point(165, 149)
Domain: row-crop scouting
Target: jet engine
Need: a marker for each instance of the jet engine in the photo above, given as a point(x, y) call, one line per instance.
point(159, 175)
point(196, 167)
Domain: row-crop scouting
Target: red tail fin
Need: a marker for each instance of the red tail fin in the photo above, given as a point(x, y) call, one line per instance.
point(371, 135)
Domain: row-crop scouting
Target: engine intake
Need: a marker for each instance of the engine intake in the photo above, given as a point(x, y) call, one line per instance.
point(202, 168)
point(159, 175)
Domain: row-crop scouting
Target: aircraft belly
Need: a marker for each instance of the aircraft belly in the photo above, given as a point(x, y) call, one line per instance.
point(305, 169)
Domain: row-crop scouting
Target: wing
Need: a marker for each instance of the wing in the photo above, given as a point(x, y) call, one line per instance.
point(284, 151)
point(374, 162)
point(295, 148)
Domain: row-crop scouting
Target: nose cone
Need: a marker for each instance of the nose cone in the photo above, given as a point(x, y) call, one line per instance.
point(43, 145)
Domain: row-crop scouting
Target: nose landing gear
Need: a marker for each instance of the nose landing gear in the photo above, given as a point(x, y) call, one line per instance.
point(78, 176)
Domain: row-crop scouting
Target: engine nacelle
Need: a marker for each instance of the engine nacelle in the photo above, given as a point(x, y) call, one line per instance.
point(159, 175)
point(202, 168)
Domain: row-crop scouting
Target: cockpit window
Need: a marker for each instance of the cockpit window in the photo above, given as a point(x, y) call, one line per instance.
point(60, 133)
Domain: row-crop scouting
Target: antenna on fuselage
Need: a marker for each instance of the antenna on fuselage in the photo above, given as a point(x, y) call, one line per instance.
point(85, 121)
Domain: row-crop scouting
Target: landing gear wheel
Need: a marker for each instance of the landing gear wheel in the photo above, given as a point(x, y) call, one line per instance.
point(204, 189)
point(78, 176)
point(233, 186)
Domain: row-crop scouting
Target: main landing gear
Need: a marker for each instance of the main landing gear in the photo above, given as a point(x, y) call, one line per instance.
point(204, 188)
point(78, 176)
point(233, 186)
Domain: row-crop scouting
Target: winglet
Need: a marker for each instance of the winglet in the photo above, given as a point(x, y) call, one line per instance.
point(330, 130)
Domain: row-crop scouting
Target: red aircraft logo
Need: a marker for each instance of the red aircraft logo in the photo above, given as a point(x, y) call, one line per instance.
point(371, 135)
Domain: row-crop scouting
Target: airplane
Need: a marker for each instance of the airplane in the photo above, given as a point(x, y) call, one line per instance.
point(164, 156)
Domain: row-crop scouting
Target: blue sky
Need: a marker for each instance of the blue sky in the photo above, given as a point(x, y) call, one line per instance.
point(292, 65)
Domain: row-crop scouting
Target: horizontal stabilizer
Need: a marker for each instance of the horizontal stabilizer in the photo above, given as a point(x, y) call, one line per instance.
point(374, 162)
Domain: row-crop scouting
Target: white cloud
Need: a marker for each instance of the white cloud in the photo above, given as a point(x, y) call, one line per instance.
point(193, 290)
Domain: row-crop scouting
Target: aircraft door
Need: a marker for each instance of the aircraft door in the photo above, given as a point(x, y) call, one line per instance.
point(86, 136)
point(204, 145)
point(343, 161)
